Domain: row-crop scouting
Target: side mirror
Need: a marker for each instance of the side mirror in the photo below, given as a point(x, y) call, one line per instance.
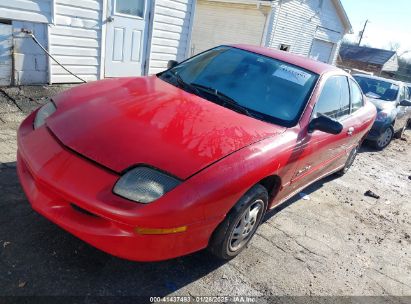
point(325, 124)
point(405, 103)
point(171, 64)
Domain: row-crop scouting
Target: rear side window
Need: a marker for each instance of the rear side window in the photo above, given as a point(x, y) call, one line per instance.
point(356, 96)
point(334, 100)
point(403, 94)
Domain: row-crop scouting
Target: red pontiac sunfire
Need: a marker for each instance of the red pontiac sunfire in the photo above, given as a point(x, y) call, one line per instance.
point(152, 168)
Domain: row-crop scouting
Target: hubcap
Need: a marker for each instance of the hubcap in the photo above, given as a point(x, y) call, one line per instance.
point(385, 138)
point(244, 228)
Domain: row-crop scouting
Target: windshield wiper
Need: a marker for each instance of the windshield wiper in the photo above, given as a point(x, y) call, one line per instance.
point(224, 98)
point(184, 84)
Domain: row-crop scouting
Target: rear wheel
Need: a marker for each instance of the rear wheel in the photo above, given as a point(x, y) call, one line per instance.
point(384, 139)
point(240, 225)
point(349, 162)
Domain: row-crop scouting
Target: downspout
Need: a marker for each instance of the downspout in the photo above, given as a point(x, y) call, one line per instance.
point(263, 40)
point(190, 29)
point(280, 3)
point(147, 51)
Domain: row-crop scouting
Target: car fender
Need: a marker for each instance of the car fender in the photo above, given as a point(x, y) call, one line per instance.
point(220, 186)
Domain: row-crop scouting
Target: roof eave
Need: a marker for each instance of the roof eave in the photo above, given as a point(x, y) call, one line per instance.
point(345, 19)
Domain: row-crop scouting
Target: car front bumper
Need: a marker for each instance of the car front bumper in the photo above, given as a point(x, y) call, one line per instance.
point(76, 194)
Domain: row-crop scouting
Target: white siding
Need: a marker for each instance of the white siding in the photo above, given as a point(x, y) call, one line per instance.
point(391, 65)
point(75, 40)
point(298, 23)
point(170, 32)
point(26, 10)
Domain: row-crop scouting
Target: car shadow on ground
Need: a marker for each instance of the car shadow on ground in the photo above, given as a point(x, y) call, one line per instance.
point(307, 191)
point(366, 147)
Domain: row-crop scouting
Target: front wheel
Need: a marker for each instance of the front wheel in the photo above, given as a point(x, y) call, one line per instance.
point(240, 225)
point(384, 139)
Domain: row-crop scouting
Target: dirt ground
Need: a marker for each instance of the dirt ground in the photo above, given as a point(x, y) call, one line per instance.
point(339, 242)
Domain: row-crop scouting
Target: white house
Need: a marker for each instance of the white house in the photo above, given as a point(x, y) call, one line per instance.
point(96, 39)
point(93, 39)
point(313, 28)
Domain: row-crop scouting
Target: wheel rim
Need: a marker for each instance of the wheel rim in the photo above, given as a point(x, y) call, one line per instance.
point(245, 226)
point(385, 138)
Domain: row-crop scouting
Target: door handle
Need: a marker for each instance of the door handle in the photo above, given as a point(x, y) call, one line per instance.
point(350, 131)
point(110, 19)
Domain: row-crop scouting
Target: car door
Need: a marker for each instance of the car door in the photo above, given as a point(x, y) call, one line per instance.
point(359, 115)
point(402, 112)
point(326, 152)
point(408, 109)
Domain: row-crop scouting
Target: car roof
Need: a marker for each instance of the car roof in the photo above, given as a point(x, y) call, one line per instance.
point(298, 60)
point(380, 78)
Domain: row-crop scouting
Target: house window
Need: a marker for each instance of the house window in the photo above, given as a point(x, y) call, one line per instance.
point(130, 7)
point(285, 47)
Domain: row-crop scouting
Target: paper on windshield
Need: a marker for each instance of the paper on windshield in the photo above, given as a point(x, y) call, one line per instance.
point(292, 74)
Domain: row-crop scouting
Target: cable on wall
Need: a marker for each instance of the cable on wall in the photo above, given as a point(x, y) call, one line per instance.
point(30, 33)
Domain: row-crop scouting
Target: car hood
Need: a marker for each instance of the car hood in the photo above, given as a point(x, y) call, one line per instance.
point(381, 104)
point(121, 123)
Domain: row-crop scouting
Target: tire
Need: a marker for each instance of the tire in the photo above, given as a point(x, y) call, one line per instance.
point(349, 162)
point(382, 142)
point(235, 232)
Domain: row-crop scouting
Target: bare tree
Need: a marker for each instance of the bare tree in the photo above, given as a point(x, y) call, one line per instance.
point(394, 46)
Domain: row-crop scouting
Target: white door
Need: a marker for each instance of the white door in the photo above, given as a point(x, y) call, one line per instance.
point(217, 23)
point(6, 43)
point(322, 50)
point(126, 37)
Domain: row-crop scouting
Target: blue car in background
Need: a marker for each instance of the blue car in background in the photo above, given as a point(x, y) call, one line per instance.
point(392, 100)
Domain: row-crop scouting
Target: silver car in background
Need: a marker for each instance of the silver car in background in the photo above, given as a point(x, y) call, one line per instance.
point(392, 100)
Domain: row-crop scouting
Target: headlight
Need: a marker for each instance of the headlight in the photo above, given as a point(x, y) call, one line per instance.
point(382, 116)
point(44, 112)
point(144, 185)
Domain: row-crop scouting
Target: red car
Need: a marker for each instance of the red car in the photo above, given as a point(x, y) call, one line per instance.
point(153, 168)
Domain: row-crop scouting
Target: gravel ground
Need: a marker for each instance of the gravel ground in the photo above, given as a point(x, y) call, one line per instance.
point(339, 242)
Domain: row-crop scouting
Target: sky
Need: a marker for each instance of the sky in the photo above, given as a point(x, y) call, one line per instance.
point(389, 23)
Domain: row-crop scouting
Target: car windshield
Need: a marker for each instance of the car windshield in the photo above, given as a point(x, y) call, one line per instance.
point(250, 83)
point(378, 89)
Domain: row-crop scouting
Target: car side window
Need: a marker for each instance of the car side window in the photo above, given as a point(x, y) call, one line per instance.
point(403, 94)
point(334, 100)
point(357, 100)
point(407, 93)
